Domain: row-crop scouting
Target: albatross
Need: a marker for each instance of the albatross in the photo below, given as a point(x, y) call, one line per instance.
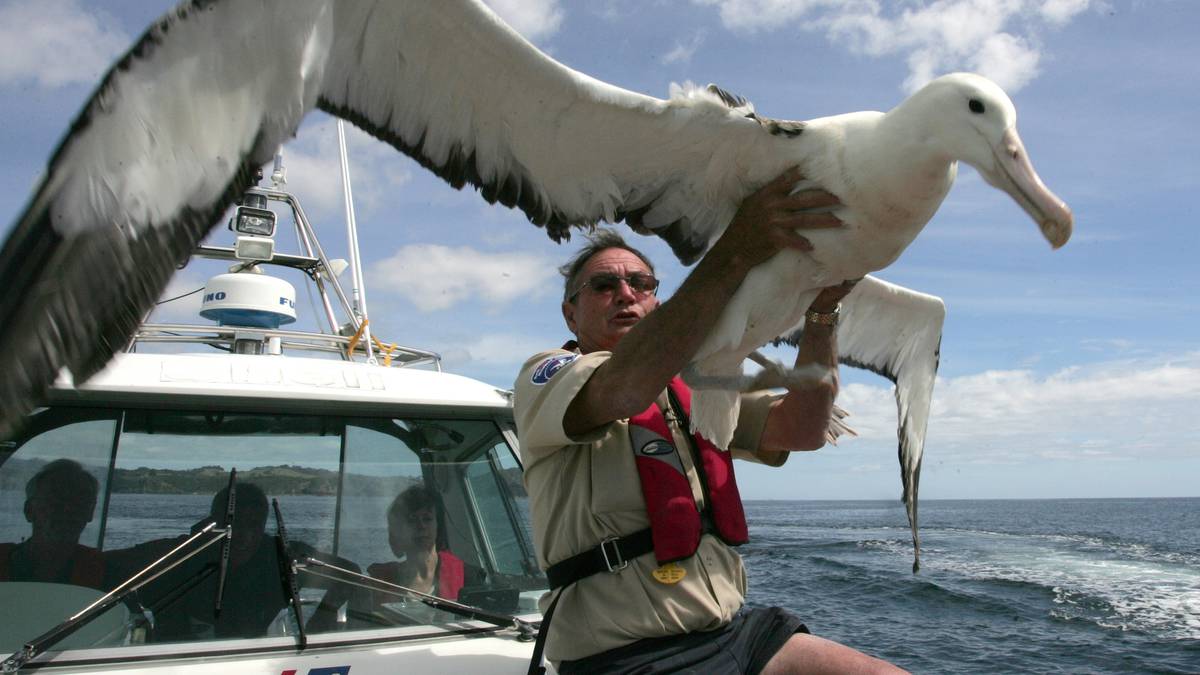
point(178, 126)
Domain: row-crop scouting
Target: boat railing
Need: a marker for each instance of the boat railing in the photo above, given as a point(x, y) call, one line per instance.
point(228, 337)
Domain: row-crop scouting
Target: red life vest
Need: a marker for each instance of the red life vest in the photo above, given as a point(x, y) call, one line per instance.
point(675, 519)
point(451, 574)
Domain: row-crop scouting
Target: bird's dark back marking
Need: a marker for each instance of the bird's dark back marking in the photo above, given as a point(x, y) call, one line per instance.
point(728, 98)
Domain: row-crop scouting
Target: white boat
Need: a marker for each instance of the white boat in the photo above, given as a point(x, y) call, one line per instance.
point(332, 425)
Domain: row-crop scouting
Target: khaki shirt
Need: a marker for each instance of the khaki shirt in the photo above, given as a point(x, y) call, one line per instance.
point(584, 490)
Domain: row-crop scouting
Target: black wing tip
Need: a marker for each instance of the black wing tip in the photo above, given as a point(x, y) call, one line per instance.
point(85, 295)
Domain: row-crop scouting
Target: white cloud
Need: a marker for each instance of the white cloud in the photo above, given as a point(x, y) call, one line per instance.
point(54, 43)
point(176, 309)
point(996, 38)
point(683, 51)
point(436, 277)
point(504, 350)
point(535, 19)
point(1006, 59)
point(314, 171)
point(1060, 12)
point(1118, 410)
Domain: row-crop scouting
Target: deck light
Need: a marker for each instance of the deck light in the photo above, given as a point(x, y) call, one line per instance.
point(255, 225)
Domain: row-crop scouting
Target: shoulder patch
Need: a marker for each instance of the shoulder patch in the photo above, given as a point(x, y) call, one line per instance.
point(546, 369)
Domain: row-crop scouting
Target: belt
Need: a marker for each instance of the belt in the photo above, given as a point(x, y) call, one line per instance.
point(611, 555)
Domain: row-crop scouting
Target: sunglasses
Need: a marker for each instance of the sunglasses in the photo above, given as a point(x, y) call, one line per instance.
point(642, 284)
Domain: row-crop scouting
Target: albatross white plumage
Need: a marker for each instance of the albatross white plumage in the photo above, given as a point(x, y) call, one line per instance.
point(177, 127)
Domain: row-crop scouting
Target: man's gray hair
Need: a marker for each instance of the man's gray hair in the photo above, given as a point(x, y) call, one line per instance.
point(599, 240)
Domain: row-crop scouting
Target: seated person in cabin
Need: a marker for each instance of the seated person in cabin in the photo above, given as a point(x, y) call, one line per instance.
point(183, 600)
point(416, 535)
point(60, 500)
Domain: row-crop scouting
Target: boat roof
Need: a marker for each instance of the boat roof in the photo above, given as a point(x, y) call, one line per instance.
point(285, 380)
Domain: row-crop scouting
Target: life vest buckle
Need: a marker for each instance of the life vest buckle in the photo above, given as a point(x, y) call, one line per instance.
point(620, 562)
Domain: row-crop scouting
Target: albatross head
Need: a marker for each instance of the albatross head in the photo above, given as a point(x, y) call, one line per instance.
point(977, 124)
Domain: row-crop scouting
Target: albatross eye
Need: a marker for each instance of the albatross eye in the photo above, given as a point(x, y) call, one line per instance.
point(976, 106)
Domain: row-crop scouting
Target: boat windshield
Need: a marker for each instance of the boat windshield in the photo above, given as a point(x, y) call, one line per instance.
point(89, 497)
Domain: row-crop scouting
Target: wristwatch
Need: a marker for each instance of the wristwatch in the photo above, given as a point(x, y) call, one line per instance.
point(824, 318)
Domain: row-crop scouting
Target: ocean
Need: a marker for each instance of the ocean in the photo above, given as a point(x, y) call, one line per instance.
point(1006, 586)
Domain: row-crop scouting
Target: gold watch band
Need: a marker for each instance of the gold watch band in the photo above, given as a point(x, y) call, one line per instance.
point(824, 318)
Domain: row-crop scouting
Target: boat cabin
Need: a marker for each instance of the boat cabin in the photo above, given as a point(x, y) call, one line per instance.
point(236, 504)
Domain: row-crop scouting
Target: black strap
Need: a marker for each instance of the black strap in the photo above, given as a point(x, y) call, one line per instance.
point(610, 556)
point(536, 667)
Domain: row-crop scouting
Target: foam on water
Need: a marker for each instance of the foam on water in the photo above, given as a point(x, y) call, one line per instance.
point(1124, 586)
point(1096, 586)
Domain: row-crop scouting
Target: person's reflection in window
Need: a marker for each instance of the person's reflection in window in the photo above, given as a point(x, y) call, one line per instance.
point(60, 500)
point(415, 535)
point(183, 600)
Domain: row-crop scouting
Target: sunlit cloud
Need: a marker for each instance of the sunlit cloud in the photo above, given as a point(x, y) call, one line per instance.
point(534, 19)
point(505, 351)
point(180, 299)
point(1120, 410)
point(996, 38)
point(435, 277)
point(684, 50)
point(377, 170)
point(55, 43)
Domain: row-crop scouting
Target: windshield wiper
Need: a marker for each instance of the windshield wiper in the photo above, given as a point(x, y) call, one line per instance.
point(230, 505)
point(528, 629)
point(154, 570)
point(287, 573)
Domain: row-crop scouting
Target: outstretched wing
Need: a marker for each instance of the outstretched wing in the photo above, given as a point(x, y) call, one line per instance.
point(169, 139)
point(474, 102)
point(897, 333)
point(177, 127)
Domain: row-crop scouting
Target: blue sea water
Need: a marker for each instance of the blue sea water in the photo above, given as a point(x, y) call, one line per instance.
point(1020, 586)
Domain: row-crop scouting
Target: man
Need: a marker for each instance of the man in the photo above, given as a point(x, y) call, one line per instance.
point(60, 500)
point(578, 410)
point(183, 599)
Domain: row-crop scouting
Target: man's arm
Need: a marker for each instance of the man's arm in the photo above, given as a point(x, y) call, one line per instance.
point(800, 420)
point(660, 345)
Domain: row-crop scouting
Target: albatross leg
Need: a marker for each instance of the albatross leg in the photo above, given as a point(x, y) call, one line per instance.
point(696, 380)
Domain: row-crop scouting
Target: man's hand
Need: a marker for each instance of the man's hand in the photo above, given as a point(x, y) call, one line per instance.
point(830, 296)
point(767, 220)
point(800, 420)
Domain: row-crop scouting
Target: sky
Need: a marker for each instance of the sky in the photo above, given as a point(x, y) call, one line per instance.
point(1069, 373)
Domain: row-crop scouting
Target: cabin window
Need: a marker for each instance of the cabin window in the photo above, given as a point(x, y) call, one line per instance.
point(436, 505)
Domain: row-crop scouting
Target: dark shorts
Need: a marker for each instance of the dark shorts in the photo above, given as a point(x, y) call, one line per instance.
point(744, 645)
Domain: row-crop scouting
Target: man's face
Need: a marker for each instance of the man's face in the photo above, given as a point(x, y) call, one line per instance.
point(600, 319)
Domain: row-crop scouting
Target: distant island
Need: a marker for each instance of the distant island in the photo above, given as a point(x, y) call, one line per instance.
point(284, 479)
point(274, 480)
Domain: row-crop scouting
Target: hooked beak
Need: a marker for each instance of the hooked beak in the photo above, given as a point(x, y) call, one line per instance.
point(1015, 175)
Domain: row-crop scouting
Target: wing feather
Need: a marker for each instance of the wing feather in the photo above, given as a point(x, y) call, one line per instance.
point(176, 128)
point(474, 102)
point(171, 137)
point(896, 332)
